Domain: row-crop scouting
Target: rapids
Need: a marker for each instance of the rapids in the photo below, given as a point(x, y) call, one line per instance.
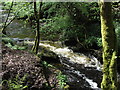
point(80, 68)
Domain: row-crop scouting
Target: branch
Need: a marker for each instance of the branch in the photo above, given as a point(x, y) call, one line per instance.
point(8, 16)
point(9, 23)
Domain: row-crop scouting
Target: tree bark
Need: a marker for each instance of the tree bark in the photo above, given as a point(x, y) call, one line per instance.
point(109, 41)
point(37, 37)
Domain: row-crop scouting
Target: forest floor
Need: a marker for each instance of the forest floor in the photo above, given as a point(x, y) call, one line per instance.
point(20, 63)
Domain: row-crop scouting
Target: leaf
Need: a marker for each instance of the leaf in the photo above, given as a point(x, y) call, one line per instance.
point(24, 87)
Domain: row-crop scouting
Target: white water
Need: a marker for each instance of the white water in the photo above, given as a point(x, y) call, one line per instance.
point(75, 58)
point(91, 83)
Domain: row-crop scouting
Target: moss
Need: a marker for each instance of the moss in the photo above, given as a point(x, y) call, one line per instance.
point(7, 40)
point(109, 42)
point(48, 55)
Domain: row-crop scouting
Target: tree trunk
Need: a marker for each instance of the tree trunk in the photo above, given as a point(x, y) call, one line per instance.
point(109, 41)
point(37, 37)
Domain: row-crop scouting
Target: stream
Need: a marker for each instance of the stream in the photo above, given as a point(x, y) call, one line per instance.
point(83, 71)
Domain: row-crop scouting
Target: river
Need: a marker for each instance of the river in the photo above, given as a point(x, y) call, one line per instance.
point(83, 71)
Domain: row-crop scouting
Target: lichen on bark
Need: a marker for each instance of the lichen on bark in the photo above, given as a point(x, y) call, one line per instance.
point(109, 41)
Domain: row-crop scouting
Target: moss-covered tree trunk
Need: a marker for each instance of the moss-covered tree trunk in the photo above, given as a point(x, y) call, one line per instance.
point(109, 81)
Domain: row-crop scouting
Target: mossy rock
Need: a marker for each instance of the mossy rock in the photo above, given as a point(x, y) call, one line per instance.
point(48, 55)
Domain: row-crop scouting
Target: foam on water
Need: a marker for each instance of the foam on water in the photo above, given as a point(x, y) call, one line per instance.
point(92, 84)
point(74, 57)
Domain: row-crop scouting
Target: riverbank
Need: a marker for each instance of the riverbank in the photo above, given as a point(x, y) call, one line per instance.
point(19, 64)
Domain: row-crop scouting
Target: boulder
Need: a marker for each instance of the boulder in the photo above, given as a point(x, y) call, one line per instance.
point(47, 55)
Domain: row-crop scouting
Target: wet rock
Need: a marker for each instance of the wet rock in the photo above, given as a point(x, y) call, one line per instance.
point(48, 55)
point(70, 42)
point(97, 54)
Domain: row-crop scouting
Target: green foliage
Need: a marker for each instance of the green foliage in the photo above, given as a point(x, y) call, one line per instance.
point(10, 43)
point(56, 26)
point(7, 40)
point(62, 80)
point(46, 65)
point(93, 40)
point(93, 9)
point(65, 26)
point(6, 5)
point(62, 28)
point(66, 20)
point(19, 47)
point(61, 22)
point(16, 47)
point(3, 35)
point(20, 9)
point(49, 9)
point(73, 32)
point(93, 35)
point(117, 29)
point(16, 83)
point(99, 42)
point(48, 30)
point(23, 9)
point(116, 13)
